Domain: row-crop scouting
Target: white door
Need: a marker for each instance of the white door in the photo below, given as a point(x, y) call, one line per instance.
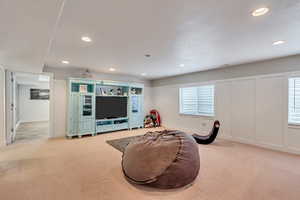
point(10, 107)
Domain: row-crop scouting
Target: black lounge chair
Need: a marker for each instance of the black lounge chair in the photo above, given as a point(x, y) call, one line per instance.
point(210, 138)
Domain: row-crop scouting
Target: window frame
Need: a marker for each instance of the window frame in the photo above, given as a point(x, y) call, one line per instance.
point(198, 114)
point(291, 124)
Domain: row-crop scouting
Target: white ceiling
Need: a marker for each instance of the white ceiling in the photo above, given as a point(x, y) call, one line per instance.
point(202, 35)
point(25, 31)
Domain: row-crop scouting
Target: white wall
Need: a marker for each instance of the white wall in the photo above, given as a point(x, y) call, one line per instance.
point(32, 110)
point(251, 110)
point(148, 100)
point(60, 108)
point(2, 106)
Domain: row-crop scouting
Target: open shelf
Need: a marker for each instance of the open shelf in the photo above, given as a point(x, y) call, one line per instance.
point(106, 125)
point(136, 91)
point(77, 87)
point(111, 96)
point(121, 118)
point(108, 90)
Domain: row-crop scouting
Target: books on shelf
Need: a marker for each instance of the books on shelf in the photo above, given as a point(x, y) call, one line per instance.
point(111, 91)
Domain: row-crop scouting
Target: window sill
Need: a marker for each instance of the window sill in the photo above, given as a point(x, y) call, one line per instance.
point(294, 125)
point(198, 115)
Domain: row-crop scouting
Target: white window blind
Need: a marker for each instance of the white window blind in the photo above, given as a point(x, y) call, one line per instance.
point(294, 100)
point(197, 100)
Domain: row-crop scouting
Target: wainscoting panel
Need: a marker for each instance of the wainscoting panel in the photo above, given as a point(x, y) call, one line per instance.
point(243, 109)
point(222, 107)
point(269, 111)
point(251, 110)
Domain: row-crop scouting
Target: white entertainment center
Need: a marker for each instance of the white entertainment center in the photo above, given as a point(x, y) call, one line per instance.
point(103, 106)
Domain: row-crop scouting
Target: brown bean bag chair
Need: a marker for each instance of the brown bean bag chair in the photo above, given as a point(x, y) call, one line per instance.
point(165, 159)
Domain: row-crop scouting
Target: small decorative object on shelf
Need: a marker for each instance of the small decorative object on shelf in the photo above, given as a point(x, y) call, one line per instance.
point(119, 91)
point(111, 92)
point(135, 104)
point(133, 91)
point(98, 91)
point(83, 88)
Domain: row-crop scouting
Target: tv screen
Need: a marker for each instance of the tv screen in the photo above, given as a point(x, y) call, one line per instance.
point(111, 107)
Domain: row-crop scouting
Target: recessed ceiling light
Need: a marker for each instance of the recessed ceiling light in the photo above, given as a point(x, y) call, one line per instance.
point(278, 42)
point(181, 65)
point(260, 11)
point(112, 69)
point(65, 62)
point(86, 39)
point(143, 74)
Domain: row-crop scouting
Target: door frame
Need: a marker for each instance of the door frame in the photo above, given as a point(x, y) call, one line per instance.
point(2, 107)
point(51, 103)
point(10, 106)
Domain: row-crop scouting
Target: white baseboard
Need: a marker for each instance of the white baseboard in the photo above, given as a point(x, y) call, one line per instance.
point(28, 121)
point(263, 145)
point(18, 124)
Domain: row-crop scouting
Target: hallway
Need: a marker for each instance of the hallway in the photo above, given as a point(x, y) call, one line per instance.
point(31, 131)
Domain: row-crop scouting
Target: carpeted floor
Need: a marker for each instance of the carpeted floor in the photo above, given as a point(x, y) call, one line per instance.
point(89, 168)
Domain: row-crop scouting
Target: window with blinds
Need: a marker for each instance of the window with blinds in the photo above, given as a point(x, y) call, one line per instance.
point(197, 100)
point(294, 101)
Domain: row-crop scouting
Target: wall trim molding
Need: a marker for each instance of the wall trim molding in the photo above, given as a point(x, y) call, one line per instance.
point(284, 64)
point(286, 74)
point(18, 124)
point(31, 121)
point(263, 145)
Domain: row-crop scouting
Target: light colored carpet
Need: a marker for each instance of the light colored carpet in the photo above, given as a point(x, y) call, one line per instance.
point(89, 168)
point(29, 131)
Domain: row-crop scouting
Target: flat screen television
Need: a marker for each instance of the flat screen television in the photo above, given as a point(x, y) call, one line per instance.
point(111, 107)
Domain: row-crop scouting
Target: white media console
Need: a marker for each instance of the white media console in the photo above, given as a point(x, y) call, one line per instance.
point(93, 106)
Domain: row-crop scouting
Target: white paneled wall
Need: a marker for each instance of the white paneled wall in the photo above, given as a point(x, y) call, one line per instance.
point(243, 109)
point(251, 110)
point(269, 111)
point(223, 102)
point(254, 110)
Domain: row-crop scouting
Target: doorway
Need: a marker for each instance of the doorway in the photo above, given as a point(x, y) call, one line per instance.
point(28, 107)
